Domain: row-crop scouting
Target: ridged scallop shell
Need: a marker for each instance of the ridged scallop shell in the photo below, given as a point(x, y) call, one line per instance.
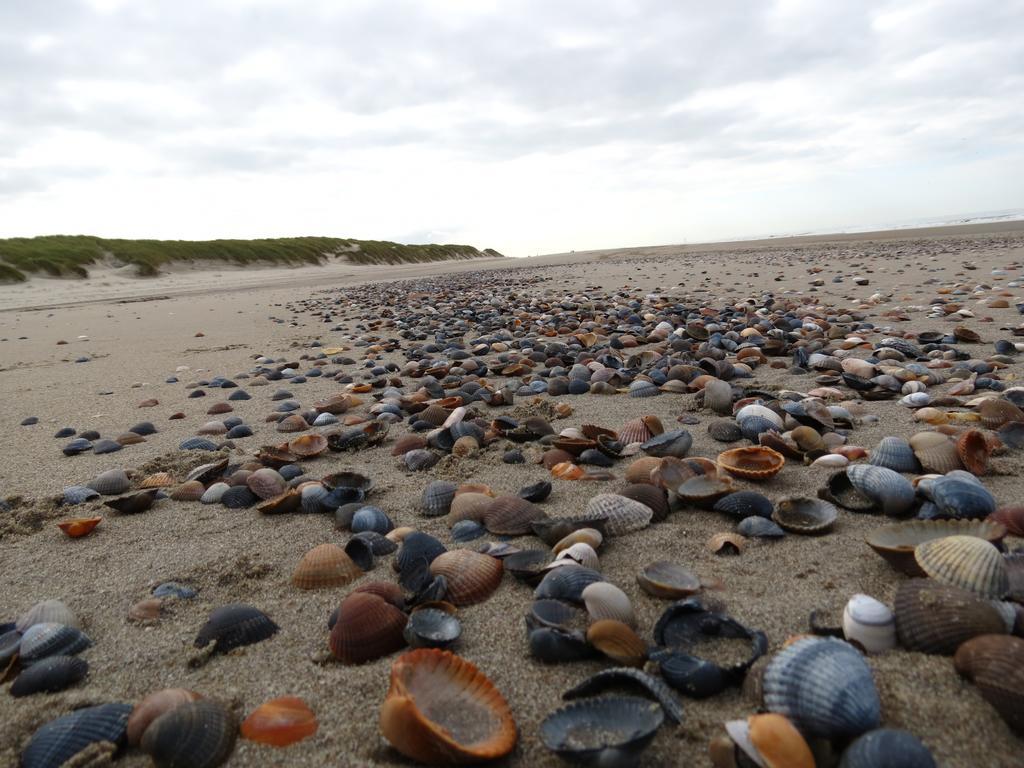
point(152, 707)
point(157, 480)
point(896, 454)
point(995, 664)
point(191, 490)
point(471, 576)
point(234, 625)
point(635, 431)
point(891, 493)
point(718, 396)
point(280, 722)
point(896, 543)
point(961, 498)
point(744, 504)
point(367, 628)
point(47, 611)
point(238, 497)
point(511, 516)
point(566, 583)
point(60, 740)
point(936, 452)
point(442, 709)
point(618, 642)
point(603, 731)
point(824, 687)
point(41, 641)
point(966, 562)
point(887, 748)
point(198, 734)
point(604, 600)
point(437, 498)
point(995, 412)
point(752, 463)
point(325, 565)
point(50, 675)
point(936, 618)
point(649, 496)
point(621, 515)
point(110, 483)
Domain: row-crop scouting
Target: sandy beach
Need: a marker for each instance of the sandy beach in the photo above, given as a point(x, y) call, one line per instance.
point(198, 323)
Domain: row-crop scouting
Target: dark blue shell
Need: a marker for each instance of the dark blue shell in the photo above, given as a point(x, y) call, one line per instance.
point(50, 675)
point(59, 740)
point(235, 625)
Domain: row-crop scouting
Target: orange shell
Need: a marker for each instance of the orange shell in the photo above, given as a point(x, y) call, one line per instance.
point(79, 526)
point(308, 446)
point(618, 642)
point(325, 565)
point(973, 450)
point(640, 470)
point(1012, 518)
point(472, 577)
point(778, 742)
point(154, 705)
point(752, 463)
point(440, 709)
point(280, 722)
point(157, 480)
point(566, 470)
point(367, 628)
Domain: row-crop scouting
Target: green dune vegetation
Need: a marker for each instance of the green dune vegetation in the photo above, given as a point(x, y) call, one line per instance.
point(71, 255)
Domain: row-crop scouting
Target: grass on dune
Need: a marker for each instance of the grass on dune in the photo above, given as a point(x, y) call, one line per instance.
point(70, 255)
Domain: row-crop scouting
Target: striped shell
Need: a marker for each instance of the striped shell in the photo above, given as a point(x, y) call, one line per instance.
point(718, 396)
point(50, 675)
point(110, 483)
point(887, 748)
point(468, 506)
point(198, 734)
point(650, 496)
point(936, 452)
point(57, 742)
point(190, 490)
point(51, 639)
point(962, 498)
point(157, 480)
point(325, 565)
point(805, 515)
point(973, 450)
point(896, 543)
point(566, 583)
point(437, 498)
point(604, 600)
point(966, 562)
point(896, 454)
point(266, 483)
point(621, 515)
point(152, 707)
point(635, 431)
point(472, 577)
point(580, 553)
point(936, 618)
point(234, 625)
point(995, 412)
point(367, 628)
point(47, 611)
point(891, 493)
point(511, 516)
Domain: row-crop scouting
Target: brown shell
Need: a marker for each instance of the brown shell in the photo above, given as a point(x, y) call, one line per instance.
point(129, 438)
point(146, 611)
point(157, 480)
point(786, 446)
point(807, 439)
point(1012, 518)
point(407, 443)
point(753, 463)
point(308, 446)
point(936, 618)
point(218, 408)
point(288, 501)
point(434, 415)
point(472, 577)
point(635, 431)
point(727, 544)
point(704, 490)
point(995, 412)
point(292, 423)
point(511, 516)
point(266, 483)
point(335, 404)
point(896, 543)
point(325, 565)
point(367, 628)
point(667, 580)
point(618, 642)
point(386, 590)
point(995, 664)
point(468, 506)
point(589, 536)
point(936, 452)
point(79, 526)
point(554, 457)
point(973, 450)
point(466, 445)
point(441, 710)
point(154, 705)
point(640, 470)
point(778, 742)
point(190, 490)
point(650, 496)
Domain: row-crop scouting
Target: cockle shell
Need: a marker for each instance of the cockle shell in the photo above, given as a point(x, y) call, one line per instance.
point(936, 618)
point(40, 641)
point(966, 562)
point(604, 600)
point(935, 451)
point(471, 577)
point(580, 553)
point(235, 625)
point(618, 641)
point(718, 396)
point(59, 741)
point(770, 741)
point(896, 454)
point(891, 493)
point(621, 515)
point(325, 565)
point(566, 583)
point(753, 463)
point(603, 731)
point(511, 516)
point(961, 497)
point(626, 677)
point(52, 674)
point(199, 734)
point(154, 705)
point(896, 543)
point(110, 483)
point(47, 611)
point(805, 515)
point(367, 628)
point(995, 664)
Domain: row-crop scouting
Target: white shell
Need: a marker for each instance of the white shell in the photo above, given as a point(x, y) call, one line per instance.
point(916, 400)
point(606, 601)
point(869, 623)
point(214, 492)
point(759, 410)
point(830, 460)
point(455, 417)
point(621, 514)
point(581, 553)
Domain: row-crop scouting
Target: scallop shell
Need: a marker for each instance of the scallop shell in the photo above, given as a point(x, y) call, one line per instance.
point(604, 600)
point(966, 562)
point(50, 675)
point(471, 576)
point(110, 483)
point(936, 618)
point(617, 641)
point(511, 516)
point(887, 748)
point(621, 515)
point(936, 452)
point(57, 742)
point(995, 664)
point(869, 624)
point(650, 496)
point(152, 707)
point(280, 722)
point(157, 480)
point(199, 734)
point(566, 583)
point(896, 543)
point(824, 687)
point(325, 565)
point(752, 463)
point(437, 498)
point(235, 625)
point(805, 515)
point(896, 454)
point(603, 731)
point(367, 628)
point(79, 526)
point(891, 493)
point(639, 431)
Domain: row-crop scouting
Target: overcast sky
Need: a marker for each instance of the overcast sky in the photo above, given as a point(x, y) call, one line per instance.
point(529, 127)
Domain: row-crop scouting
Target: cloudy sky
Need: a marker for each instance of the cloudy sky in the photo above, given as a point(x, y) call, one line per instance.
point(528, 126)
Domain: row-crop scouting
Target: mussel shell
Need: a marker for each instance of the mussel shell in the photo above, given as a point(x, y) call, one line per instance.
point(887, 748)
point(528, 565)
point(633, 679)
point(693, 676)
point(676, 442)
point(555, 645)
point(234, 625)
point(824, 686)
point(605, 731)
point(936, 618)
point(59, 740)
point(196, 734)
point(54, 673)
point(432, 628)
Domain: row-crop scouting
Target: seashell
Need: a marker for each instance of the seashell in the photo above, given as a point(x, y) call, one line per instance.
point(407, 443)
point(214, 493)
point(325, 565)
point(916, 400)
point(704, 491)
point(365, 547)
point(639, 431)
point(936, 452)
point(743, 504)
point(566, 583)
point(649, 496)
point(110, 483)
point(206, 473)
point(887, 748)
point(994, 664)
point(367, 628)
point(759, 528)
point(441, 709)
point(146, 611)
point(753, 463)
point(468, 506)
point(52, 674)
point(770, 740)
point(783, 444)
point(890, 492)
point(590, 536)
point(759, 411)
point(199, 734)
point(40, 641)
point(727, 544)
point(1011, 518)
point(511, 516)
point(581, 554)
point(371, 518)
point(432, 628)
point(831, 460)
point(667, 580)
point(134, 504)
point(437, 498)
point(79, 526)
point(626, 677)
point(289, 501)
point(152, 707)
point(175, 590)
point(805, 515)
point(308, 446)
point(617, 641)
point(212, 428)
point(413, 561)
point(896, 454)
point(995, 412)
point(471, 576)
point(238, 497)
point(58, 742)
point(621, 515)
point(604, 731)
point(157, 480)
point(536, 492)
point(824, 687)
point(266, 483)
point(420, 460)
point(896, 543)
point(190, 490)
point(869, 624)
point(106, 446)
point(642, 388)
point(966, 562)
point(201, 443)
point(973, 450)
point(604, 600)
point(841, 492)
point(280, 722)
point(936, 618)
point(807, 439)
point(718, 396)
point(78, 494)
point(235, 625)
point(960, 498)
point(725, 431)
point(640, 470)
point(554, 529)
point(675, 442)
point(47, 611)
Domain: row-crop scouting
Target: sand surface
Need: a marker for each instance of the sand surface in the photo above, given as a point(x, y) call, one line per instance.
point(241, 556)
